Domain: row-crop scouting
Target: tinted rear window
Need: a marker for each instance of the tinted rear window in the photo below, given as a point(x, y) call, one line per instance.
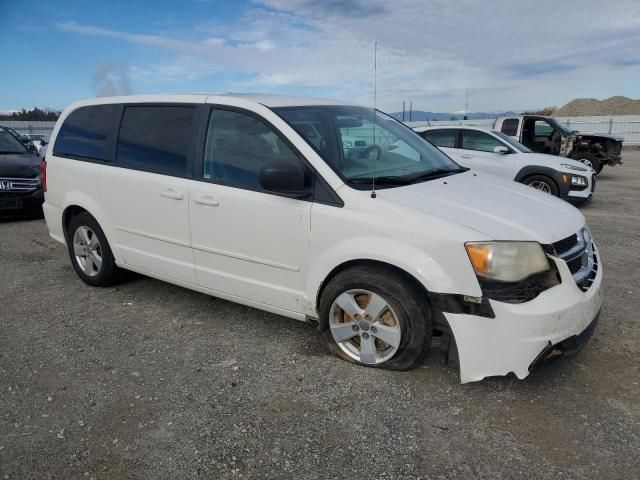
point(441, 138)
point(156, 138)
point(510, 127)
point(88, 132)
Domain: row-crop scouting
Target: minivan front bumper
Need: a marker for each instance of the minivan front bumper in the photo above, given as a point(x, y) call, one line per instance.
point(519, 334)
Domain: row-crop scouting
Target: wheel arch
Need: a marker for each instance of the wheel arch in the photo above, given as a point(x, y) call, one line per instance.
point(555, 175)
point(365, 262)
point(447, 272)
point(77, 206)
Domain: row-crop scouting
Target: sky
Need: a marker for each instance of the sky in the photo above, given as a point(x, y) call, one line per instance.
point(509, 54)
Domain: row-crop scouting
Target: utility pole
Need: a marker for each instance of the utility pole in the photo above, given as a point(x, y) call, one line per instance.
point(466, 107)
point(403, 110)
point(411, 111)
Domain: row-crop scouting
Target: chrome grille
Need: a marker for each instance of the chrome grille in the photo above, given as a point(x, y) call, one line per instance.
point(564, 245)
point(18, 184)
point(580, 257)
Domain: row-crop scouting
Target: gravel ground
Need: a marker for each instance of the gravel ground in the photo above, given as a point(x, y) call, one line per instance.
point(148, 380)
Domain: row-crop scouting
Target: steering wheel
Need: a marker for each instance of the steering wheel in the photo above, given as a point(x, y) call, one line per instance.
point(366, 151)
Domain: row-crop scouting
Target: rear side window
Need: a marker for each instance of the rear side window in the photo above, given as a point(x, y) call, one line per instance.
point(88, 133)
point(156, 138)
point(238, 146)
point(480, 141)
point(441, 138)
point(510, 127)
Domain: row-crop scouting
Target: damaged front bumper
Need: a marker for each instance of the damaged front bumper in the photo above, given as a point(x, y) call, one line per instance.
point(519, 335)
point(566, 348)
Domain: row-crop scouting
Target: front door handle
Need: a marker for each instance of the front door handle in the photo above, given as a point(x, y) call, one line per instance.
point(465, 155)
point(171, 193)
point(206, 200)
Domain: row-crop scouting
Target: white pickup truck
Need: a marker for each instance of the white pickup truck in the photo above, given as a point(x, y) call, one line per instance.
point(548, 135)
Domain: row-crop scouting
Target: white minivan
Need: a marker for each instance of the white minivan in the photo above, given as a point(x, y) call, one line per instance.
point(382, 239)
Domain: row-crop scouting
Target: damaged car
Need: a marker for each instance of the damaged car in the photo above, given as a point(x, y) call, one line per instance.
point(384, 244)
point(548, 135)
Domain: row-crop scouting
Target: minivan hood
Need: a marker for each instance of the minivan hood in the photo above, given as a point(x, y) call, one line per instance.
point(19, 165)
point(500, 209)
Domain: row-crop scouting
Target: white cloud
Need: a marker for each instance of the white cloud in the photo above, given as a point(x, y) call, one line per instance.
point(509, 54)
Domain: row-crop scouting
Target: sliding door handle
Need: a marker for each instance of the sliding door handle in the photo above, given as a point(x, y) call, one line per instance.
point(171, 193)
point(206, 200)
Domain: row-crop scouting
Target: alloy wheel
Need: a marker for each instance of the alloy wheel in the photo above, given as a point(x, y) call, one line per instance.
point(87, 250)
point(586, 161)
point(540, 185)
point(365, 326)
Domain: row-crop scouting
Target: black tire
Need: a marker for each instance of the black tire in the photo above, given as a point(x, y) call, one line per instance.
point(596, 162)
point(403, 296)
point(535, 180)
point(108, 273)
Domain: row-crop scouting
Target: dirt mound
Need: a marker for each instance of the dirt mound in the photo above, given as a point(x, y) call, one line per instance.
point(584, 107)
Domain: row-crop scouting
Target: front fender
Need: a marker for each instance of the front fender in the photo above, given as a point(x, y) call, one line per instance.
point(563, 188)
point(446, 274)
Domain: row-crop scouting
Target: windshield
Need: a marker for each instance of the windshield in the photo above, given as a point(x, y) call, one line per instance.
point(360, 149)
point(517, 145)
point(561, 126)
point(9, 143)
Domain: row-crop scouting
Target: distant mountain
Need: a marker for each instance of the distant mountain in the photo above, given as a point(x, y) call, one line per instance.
point(421, 115)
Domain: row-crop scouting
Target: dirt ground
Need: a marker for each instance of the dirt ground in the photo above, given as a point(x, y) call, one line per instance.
point(150, 381)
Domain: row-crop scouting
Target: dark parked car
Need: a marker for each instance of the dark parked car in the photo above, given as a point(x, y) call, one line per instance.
point(24, 139)
point(21, 189)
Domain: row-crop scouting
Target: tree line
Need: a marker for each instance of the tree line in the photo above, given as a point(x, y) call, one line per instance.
point(33, 114)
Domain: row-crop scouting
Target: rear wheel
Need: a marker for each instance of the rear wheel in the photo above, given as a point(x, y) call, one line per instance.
point(90, 253)
point(591, 161)
point(543, 183)
point(375, 318)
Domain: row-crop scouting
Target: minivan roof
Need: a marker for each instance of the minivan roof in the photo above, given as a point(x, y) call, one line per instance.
point(265, 99)
point(482, 128)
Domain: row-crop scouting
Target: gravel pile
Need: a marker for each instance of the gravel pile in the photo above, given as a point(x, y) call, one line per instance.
point(586, 107)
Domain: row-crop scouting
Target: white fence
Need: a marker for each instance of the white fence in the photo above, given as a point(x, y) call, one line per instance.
point(29, 126)
point(626, 126)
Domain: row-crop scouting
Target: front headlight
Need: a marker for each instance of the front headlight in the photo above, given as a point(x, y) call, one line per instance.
point(578, 181)
point(507, 261)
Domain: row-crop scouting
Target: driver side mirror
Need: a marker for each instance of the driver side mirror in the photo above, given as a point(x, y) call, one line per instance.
point(286, 179)
point(501, 149)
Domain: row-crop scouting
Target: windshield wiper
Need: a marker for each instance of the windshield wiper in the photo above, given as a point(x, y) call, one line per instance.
point(434, 174)
point(7, 152)
point(383, 180)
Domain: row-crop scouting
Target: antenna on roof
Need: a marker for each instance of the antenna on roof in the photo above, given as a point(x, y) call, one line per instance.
point(375, 93)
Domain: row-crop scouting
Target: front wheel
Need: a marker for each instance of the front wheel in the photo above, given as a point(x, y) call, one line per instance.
point(375, 318)
point(591, 161)
point(543, 183)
